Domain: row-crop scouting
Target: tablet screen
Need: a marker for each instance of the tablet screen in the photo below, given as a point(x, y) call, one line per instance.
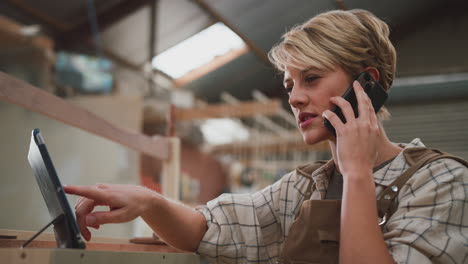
point(66, 230)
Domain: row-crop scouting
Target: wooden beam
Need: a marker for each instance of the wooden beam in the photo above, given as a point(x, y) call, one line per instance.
point(153, 27)
point(217, 16)
point(118, 59)
point(287, 116)
point(264, 121)
point(273, 165)
point(15, 244)
point(17, 92)
point(244, 109)
point(152, 43)
point(280, 146)
point(106, 18)
point(341, 5)
point(12, 36)
point(209, 67)
point(40, 16)
point(425, 17)
point(170, 178)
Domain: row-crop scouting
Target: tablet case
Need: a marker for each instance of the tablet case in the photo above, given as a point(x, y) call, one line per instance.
point(67, 233)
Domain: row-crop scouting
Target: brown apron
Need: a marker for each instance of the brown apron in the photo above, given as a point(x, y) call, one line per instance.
point(315, 233)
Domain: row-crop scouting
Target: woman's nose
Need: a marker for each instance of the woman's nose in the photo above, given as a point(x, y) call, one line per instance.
point(298, 98)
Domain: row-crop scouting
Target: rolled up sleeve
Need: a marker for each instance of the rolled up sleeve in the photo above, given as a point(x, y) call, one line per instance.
point(242, 228)
point(430, 224)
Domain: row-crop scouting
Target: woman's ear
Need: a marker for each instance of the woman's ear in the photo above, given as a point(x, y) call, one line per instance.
point(374, 72)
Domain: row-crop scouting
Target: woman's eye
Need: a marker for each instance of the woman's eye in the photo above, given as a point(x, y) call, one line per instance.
point(311, 78)
point(288, 89)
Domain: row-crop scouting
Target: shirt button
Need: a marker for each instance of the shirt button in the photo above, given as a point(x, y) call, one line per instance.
point(395, 188)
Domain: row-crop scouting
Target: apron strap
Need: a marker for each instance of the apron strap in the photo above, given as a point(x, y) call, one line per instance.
point(417, 158)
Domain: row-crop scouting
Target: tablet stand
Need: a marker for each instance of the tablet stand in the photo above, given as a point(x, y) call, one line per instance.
point(54, 221)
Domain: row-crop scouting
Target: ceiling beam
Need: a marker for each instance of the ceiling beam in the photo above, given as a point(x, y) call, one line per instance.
point(341, 5)
point(260, 53)
point(427, 17)
point(68, 35)
point(12, 37)
point(116, 58)
point(214, 64)
point(120, 60)
point(43, 18)
point(153, 27)
point(106, 18)
point(152, 41)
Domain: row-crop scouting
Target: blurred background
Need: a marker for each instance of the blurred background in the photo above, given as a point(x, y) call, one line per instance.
point(129, 61)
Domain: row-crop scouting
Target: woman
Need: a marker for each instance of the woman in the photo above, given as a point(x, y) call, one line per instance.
point(301, 218)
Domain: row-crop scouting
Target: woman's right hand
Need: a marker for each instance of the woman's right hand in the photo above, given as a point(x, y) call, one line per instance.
point(125, 202)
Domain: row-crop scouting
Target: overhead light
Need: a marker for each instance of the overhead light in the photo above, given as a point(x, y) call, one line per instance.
point(198, 50)
point(223, 131)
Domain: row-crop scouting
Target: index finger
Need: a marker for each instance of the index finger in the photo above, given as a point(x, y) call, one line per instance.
point(362, 100)
point(91, 192)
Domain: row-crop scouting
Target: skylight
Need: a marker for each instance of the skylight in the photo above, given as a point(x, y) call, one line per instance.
point(223, 131)
point(198, 50)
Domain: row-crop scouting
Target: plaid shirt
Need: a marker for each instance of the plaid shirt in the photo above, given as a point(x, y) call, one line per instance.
point(430, 224)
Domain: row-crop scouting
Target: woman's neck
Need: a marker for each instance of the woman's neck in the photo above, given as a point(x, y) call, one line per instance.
point(386, 149)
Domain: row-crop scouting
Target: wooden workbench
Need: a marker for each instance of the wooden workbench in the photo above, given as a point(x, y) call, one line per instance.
point(103, 250)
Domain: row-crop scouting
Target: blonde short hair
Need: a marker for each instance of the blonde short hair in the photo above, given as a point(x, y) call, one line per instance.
point(352, 40)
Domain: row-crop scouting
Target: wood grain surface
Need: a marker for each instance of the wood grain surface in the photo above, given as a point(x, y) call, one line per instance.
point(25, 95)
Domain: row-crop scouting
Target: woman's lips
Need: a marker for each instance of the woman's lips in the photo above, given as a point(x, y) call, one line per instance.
point(306, 119)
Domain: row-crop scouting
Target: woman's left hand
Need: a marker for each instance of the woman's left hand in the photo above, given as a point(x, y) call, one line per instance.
point(356, 140)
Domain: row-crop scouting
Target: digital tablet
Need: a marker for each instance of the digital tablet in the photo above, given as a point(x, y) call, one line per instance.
point(67, 233)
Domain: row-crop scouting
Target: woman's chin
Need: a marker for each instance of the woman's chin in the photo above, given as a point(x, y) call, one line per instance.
point(315, 136)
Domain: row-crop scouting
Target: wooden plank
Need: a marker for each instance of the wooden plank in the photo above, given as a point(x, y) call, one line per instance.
point(170, 179)
point(79, 256)
point(264, 121)
point(14, 243)
point(50, 236)
point(12, 37)
point(286, 115)
point(106, 18)
point(242, 109)
point(25, 95)
point(42, 17)
point(280, 146)
point(25, 256)
point(209, 67)
point(47, 240)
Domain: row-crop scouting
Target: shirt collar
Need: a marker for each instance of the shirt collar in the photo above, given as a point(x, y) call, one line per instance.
point(387, 174)
point(384, 176)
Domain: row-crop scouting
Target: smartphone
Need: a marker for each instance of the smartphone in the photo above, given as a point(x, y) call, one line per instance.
point(374, 90)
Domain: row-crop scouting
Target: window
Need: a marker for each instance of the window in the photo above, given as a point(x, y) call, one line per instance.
point(200, 50)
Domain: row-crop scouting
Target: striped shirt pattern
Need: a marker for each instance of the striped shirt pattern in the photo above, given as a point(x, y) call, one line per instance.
point(430, 224)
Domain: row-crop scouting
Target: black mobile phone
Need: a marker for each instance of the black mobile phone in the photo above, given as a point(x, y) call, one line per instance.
point(374, 90)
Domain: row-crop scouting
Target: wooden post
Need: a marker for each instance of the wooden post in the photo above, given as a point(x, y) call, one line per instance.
point(170, 178)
